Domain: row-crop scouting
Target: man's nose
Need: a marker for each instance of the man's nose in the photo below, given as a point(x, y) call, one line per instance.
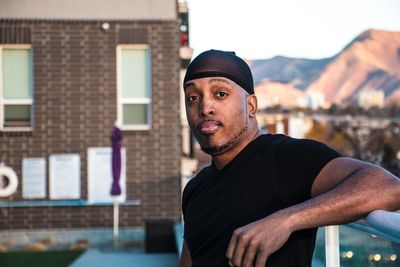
point(207, 107)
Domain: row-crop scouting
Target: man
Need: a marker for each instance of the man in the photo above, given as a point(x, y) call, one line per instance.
point(262, 198)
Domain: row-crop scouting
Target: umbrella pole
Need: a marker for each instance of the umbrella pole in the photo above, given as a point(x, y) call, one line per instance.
point(116, 222)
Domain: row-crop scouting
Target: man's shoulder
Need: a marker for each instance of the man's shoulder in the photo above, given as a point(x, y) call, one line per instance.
point(287, 141)
point(305, 145)
point(286, 146)
point(268, 141)
point(272, 138)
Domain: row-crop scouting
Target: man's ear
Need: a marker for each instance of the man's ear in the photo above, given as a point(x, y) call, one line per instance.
point(252, 105)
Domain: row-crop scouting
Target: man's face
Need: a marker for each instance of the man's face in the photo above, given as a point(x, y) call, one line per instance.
point(217, 113)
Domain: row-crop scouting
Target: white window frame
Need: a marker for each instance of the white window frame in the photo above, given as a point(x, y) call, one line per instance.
point(4, 102)
point(121, 101)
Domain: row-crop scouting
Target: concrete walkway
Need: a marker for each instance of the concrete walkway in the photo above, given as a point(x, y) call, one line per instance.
point(131, 258)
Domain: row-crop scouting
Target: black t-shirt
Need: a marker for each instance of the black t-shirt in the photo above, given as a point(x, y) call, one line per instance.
point(271, 173)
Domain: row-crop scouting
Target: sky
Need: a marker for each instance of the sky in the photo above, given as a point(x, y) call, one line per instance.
point(261, 29)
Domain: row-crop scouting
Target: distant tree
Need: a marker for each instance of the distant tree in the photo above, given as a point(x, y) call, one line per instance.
point(326, 134)
point(378, 146)
point(389, 156)
point(333, 109)
point(318, 132)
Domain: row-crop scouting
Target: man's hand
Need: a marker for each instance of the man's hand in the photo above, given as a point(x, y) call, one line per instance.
point(255, 242)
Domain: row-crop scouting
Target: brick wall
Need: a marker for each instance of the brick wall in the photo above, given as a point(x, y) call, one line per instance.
point(74, 66)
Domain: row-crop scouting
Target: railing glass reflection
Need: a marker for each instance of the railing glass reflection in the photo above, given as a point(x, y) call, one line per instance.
point(370, 242)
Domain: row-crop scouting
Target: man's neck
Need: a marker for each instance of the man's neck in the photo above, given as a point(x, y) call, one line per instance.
point(221, 160)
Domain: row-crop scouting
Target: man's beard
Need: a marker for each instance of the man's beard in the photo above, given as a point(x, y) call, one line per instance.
point(218, 149)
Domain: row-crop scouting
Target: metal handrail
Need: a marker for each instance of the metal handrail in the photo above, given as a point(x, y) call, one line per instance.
point(382, 223)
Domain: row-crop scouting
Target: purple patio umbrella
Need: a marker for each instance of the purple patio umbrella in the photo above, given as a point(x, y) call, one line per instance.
point(116, 139)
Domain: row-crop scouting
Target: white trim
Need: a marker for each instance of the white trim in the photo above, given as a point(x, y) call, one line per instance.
point(15, 46)
point(17, 101)
point(119, 106)
point(4, 102)
point(139, 127)
point(133, 46)
point(141, 100)
point(16, 129)
point(136, 101)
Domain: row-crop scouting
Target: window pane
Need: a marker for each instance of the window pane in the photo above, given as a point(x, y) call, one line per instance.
point(135, 73)
point(16, 74)
point(17, 115)
point(134, 114)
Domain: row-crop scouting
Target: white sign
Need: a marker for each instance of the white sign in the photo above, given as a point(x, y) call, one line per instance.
point(34, 178)
point(100, 175)
point(65, 180)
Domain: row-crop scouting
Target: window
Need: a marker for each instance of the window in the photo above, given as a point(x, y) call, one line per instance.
point(16, 87)
point(134, 87)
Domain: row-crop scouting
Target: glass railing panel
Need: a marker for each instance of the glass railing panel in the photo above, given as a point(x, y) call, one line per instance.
point(358, 248)
point(319, 251)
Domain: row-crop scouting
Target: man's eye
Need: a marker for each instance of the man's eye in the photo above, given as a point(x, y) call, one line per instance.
point(221, 94)
point(192, 98)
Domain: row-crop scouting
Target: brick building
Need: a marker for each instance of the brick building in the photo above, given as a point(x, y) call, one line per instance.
point(70, 70)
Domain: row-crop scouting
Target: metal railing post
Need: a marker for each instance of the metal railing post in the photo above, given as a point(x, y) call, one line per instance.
point(332, 246)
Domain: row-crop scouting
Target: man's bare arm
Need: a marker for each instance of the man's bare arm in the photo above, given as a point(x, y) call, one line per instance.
point(345, 190)
point(185, 260)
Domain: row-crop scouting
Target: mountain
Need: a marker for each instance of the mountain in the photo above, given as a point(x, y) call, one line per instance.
point(297, 71)
point(370, 61)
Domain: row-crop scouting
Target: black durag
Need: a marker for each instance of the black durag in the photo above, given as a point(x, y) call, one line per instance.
point(216, 63)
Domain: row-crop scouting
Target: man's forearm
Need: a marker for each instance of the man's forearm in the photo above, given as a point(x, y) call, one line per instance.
point(353, 198)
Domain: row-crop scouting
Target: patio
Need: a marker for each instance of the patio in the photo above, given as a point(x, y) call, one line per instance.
point(120, 258)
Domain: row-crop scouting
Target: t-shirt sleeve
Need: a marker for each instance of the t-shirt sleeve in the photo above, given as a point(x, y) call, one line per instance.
point(298, 163)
